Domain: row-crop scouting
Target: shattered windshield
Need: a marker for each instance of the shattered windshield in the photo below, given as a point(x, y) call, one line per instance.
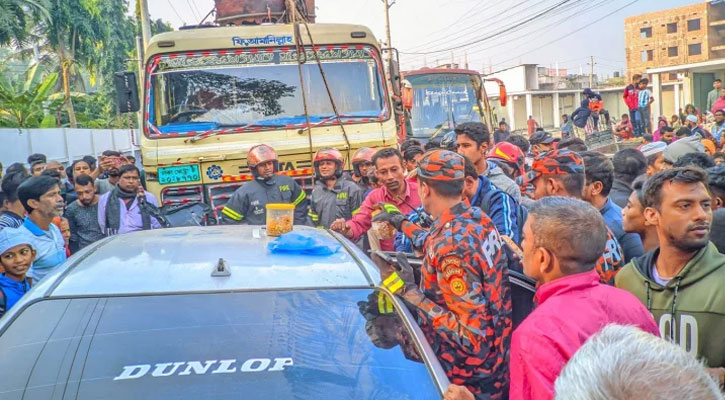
point(263, 89)
point(440, 101)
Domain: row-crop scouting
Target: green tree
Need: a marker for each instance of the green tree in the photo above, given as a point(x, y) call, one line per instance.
point(15, 16)
point(23, 103)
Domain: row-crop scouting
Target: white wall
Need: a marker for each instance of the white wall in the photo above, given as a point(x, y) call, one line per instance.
point(513, 78)
point(64, 145)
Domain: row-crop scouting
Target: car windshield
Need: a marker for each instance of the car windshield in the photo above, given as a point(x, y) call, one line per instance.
point(263, 90)
point(309, 344)
point(443, 100)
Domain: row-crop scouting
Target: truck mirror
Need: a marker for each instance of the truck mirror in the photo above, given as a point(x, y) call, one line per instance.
point(126, 84)
point(407, 95)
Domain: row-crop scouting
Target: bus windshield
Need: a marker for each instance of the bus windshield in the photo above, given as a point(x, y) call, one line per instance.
point(263, 90)
point(443, 100)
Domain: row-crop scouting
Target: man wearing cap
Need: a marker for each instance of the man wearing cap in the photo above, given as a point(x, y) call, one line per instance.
point(561, 173)
point(654, 153)
point(541, 142)
point(695, 129)
point(37, 163)
point(248, 204)
point(673, 152)
point(463, 302)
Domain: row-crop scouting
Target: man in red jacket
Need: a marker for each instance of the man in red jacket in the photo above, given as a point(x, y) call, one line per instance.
point(563, 239)
point(631, 99)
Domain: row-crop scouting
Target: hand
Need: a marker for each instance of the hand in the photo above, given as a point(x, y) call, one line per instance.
point(455, 392)
point(340, 226)
point(401, 280)
point(390, 214)
point(378, 304)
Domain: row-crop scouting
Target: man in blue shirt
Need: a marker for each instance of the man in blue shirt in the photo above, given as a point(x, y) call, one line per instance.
point(599, 173)
point(41, 198)
point(645, 100)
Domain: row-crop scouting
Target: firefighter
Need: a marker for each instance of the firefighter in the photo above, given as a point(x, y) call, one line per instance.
point(332, 197)
point(248, 203)
point(362, 161)
point(463, 302)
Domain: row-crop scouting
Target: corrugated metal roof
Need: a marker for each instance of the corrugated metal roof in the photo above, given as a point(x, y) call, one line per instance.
point(181, 260)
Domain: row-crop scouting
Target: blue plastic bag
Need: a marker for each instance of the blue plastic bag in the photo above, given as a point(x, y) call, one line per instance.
point(304, 243)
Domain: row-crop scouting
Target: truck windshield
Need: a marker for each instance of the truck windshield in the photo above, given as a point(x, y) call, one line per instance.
point(262, 89)
point(443, 100)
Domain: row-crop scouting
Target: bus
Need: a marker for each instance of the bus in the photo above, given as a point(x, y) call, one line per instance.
point(438, 99)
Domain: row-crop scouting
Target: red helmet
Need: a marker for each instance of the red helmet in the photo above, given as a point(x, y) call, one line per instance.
point(510, 154)
point(328, 154)
point(363, 154)
point(259, 154)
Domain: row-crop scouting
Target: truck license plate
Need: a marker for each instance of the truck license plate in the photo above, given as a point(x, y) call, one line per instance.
point(178, 174)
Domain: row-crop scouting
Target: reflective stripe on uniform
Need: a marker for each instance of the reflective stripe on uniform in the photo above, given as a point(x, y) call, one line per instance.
point(385, 306)
point(393, 282)
point(313, 216)
point(231, 214)
point(355, 211)
point(301, 197)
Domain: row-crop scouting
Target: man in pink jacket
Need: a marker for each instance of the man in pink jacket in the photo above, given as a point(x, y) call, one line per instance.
point(563, 239)
point(396, 190)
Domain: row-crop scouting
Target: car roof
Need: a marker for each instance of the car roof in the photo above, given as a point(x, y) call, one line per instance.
point(181, 260)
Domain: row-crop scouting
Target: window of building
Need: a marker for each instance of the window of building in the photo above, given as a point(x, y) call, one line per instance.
point(672, 27)
point(672, 51)
point(693, 25)
point(673, 76)
point(647, 55)
point(694, 49)
point(646, 32)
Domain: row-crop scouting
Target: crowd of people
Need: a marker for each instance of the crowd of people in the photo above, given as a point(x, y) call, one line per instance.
point(627, 251)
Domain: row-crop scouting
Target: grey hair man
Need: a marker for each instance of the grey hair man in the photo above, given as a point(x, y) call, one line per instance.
point(643, 367)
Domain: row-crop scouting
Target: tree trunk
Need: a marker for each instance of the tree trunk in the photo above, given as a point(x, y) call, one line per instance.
point(65, 65)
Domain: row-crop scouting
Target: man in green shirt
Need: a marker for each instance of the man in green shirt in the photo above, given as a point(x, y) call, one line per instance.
point(681, 281)
point(713, 94)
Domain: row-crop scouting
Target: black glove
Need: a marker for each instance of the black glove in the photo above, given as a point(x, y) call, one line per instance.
point(378, 304)
point(390, 214)
point(402, 281)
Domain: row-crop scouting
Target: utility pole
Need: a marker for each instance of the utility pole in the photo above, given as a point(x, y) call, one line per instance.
point(388, 4)
point(591, 73)
point(145, 25)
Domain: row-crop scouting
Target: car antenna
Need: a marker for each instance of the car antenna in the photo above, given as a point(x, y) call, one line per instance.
point(221, 269)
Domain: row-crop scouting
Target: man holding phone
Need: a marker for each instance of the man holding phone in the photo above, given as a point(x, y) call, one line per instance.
point(463, 301)
point(110, 163)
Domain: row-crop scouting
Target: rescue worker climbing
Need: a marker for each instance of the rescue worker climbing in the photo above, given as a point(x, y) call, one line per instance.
point(463, 302)
point(332, 197)
point(248, 203)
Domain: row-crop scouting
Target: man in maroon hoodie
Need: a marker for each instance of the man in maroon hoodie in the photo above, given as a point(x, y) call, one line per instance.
point(563, 239)
point(631, 99)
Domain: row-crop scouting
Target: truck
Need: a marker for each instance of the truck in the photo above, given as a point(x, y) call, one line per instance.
point(437, 99)
point(210, 94)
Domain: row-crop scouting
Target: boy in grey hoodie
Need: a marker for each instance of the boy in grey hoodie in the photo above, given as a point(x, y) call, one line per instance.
point(681, 281)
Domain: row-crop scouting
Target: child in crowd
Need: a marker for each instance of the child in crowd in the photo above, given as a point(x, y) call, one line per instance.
point(625, 129)
point(16, 257)
point(645, 100)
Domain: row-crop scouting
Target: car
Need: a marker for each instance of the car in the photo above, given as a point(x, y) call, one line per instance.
point(211, 312)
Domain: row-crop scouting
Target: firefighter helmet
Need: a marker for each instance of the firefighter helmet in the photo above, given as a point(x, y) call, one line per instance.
point(364, 154)
point(261, 154)
point(328, 154)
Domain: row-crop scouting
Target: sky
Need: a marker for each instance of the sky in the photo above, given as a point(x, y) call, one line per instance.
point(492, 34)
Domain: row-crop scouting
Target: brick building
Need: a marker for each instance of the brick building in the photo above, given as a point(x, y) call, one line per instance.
point(681, 50)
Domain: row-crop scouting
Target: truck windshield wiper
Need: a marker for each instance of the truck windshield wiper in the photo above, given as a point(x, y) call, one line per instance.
point(217, 130)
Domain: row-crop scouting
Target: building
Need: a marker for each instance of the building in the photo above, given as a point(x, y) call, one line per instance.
point(681, 50)
point(545, 94)
point(244, 12)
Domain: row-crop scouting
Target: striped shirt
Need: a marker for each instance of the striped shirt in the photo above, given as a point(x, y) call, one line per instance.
point(9, 219)
point(644, 97)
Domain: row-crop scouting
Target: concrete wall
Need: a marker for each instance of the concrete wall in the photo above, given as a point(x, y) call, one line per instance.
point(64, 145)
point(514, 79)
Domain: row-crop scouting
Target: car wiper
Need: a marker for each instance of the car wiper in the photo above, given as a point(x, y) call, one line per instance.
point(215, 131)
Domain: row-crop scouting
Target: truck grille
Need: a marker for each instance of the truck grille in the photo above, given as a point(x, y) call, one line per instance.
point(181, 195)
